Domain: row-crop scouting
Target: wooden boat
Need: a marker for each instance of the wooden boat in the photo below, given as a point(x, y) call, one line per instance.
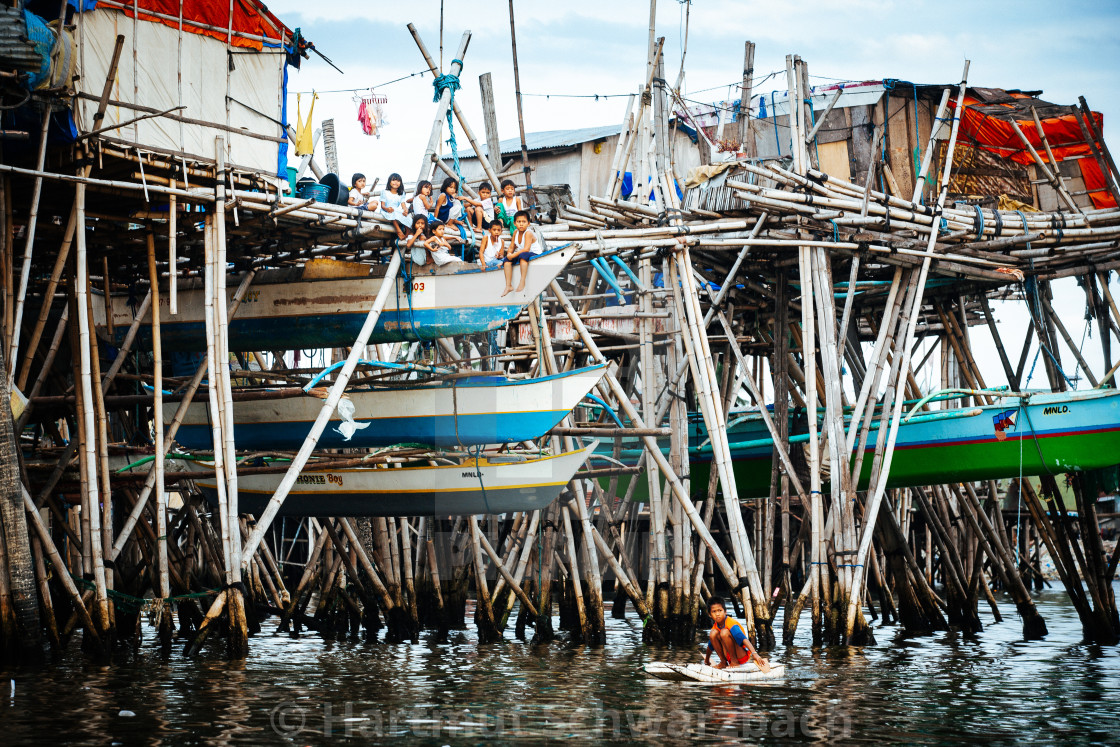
point(742, 675)
point(298, 308)
point(491, 484)
point(462, 412)
point(1044, 433)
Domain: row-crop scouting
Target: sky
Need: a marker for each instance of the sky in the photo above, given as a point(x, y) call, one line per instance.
point(569, 52)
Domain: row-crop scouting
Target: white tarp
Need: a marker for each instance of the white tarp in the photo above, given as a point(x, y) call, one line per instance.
point(161, 68)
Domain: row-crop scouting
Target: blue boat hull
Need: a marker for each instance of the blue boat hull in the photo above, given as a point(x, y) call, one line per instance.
point(442, 431)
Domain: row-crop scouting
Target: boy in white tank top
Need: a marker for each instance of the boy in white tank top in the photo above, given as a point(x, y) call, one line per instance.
point(520, 251)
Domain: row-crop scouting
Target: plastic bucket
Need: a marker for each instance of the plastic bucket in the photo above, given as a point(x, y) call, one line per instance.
point(314, 191)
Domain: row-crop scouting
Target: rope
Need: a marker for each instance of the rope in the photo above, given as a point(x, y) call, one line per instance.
point(476, 451)
point(1019, 507)
point(450, 82)
point(406, 268)
point(978, 224)
point(140, 604)
point(1023, 217)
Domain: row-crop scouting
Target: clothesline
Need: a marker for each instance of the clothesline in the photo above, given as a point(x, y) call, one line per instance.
point(364, 88)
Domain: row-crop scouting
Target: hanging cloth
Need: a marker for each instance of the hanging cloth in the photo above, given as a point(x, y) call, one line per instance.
point(365, 118)
point(370, 114)
point(305, 139)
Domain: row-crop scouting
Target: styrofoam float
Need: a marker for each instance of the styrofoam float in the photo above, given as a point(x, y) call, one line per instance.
point(742, 675)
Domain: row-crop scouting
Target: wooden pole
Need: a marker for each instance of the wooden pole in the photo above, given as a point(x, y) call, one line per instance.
point(525, 168)
point(164, 590)
point(329, 405)
point(32, 222)
point(873, 504)
point(490, 124)
point(89, 427)
point(431, 152)
point(743, 111)
point(485, 161)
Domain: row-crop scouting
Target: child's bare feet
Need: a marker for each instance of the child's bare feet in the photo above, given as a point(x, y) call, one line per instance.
point(507, 291)
point(718, 665)
point(521, 287)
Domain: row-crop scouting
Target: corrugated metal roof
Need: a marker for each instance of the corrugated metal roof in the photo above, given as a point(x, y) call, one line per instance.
point(550, 139)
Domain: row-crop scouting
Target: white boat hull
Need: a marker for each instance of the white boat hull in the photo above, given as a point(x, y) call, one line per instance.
point(491, 487)
point(462, 413)
point(287, 313)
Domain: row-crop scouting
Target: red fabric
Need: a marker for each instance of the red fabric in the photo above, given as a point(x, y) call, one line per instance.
point(996, 135)
point(249, 17)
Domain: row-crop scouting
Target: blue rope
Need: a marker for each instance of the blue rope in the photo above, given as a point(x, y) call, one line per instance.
point(440, 84)
point(1023, 216)
point(406, 268)
point(835, 231)
point(980, 217)
point(813, 123)
point(774, 112)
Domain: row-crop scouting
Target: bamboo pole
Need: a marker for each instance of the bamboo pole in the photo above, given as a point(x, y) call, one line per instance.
point(89, 428)
point(427, 164)
point(164, 590)
point(328, 407)
point(873, 504)
point(173, 427)
point(25, 270)
point(648, 441)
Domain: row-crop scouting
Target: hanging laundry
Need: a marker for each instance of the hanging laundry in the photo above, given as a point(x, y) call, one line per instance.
point(305, 139)
point(371, 115)
point(365, 118)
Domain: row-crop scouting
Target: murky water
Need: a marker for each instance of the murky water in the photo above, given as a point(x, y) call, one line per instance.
point(991, 689)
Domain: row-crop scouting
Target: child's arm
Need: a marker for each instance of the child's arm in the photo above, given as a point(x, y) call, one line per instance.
point(741, 638)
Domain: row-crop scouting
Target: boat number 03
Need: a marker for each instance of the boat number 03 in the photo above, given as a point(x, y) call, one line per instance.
point(1056, 410)
point(417, 285)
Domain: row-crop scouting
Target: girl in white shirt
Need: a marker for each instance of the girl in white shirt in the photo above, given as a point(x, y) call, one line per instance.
point(422, 200)
point(393, 206)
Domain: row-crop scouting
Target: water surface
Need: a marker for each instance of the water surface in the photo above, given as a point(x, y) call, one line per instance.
point(992, 689)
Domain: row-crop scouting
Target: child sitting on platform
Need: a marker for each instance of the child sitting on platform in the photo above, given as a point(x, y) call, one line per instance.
point(493, 249)
point(481, 211)
point(357, 196)
point(448, 209)
point(422, 200)
point(393, 206)
point(415, 241)
point(508, 205)
point(439, 248)
point(728, 639)
point(521, 249)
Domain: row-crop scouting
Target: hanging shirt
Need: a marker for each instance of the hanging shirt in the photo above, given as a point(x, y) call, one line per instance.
point(305, 138)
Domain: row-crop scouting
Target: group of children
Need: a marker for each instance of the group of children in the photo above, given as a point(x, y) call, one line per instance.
point(421, 222)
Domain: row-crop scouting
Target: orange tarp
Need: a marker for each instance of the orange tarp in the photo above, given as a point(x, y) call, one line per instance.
point(248, 18)
point(993, 132)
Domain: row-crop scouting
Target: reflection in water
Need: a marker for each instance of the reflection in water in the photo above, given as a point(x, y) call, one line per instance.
point(993, 688)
